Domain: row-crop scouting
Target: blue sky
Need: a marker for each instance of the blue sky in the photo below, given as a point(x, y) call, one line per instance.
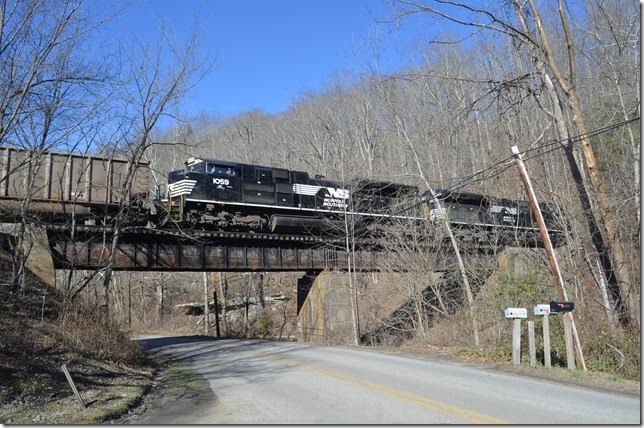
point(268, 52)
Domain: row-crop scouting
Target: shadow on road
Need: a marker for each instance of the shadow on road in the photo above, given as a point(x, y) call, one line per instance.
point(224, 363)
point(236, 359)
point(164, 341)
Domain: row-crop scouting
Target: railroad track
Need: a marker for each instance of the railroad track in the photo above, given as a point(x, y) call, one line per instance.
point(192, 234)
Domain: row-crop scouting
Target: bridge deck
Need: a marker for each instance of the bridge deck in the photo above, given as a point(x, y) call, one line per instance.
point(141, 249)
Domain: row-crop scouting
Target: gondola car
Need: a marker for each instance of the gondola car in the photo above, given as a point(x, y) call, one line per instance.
point(235, 196)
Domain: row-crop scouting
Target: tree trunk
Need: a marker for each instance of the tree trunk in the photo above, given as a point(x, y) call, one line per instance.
point(619, 261)
point(452, 238)
point(206, 309)
point(142, 312)
point(353, 301)
point(260, 296)
point(159, 292)
point(223, 291)
point(575, 162)
point(247, 303)
point(129, 302)
point(106, 298)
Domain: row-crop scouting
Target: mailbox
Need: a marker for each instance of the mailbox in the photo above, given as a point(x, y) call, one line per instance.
point(516, 313)
point(557, 307)
point(542, 309)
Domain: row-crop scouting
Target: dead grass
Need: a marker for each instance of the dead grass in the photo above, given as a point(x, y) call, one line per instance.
point(482, 357)
point(84, 330)
point(612, 353)
point(108, 390)
point(176, 390)
point(37, 336)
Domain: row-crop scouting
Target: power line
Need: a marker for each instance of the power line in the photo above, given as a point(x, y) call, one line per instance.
point(507, 162)
point(504, 165)
point(588, 134)
point(560, 142)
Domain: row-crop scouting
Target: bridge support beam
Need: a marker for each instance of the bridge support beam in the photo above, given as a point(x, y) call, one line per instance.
point(218, 252)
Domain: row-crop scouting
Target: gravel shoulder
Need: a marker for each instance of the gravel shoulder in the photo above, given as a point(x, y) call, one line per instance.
point(178, 394)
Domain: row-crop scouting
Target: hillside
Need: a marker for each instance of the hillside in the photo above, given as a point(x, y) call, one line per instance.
point(38, 335)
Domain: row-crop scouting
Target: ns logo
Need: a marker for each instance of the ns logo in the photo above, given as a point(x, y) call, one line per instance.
point(337, 193)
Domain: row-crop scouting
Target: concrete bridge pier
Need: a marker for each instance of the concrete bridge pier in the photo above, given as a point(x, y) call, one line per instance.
point(324, 308)
point(324, 301)
point(36, 245)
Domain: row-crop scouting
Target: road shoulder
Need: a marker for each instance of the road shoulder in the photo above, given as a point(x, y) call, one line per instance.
point(599, 381)
point(178, 395)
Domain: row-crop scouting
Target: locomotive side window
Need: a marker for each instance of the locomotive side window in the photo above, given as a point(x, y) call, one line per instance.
point(280, 175)
point(249, 172)
point(264, 174)
point(212, 168)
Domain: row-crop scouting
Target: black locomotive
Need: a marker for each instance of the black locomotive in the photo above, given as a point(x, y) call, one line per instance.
point(226, 195)
point(501, 220)
point(229, 195)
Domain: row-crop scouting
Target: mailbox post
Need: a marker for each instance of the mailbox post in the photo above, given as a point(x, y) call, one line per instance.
point(544, 311)
point(566, 309)
point(516, 314)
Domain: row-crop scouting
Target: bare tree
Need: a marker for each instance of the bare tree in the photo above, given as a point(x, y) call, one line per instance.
point(150, 89)
point(49, 96)
point(562, 88)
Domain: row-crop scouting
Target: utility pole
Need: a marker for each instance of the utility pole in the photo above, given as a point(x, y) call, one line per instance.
point(206, 319)
point(550, 252)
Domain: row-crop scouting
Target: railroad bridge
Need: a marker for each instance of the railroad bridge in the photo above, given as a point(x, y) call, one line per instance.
point(87, 185)
point(144, 249)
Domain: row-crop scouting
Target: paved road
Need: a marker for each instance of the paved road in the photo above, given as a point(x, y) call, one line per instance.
point(258, 382)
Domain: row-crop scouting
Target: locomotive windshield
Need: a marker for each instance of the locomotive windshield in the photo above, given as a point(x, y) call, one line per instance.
point(212, 168)
point(195, 165)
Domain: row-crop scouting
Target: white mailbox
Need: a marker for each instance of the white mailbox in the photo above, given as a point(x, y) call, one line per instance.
point(516, 313)
point(542, 309)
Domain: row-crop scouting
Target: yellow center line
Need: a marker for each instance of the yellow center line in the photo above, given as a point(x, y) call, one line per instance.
point(470, 416)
